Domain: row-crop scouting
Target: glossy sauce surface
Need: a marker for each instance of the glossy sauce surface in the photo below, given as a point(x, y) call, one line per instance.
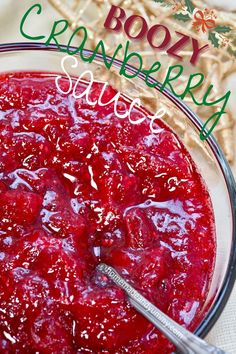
point(78, 186)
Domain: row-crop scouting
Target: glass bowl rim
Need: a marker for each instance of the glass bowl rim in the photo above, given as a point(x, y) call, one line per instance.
point(230, 276)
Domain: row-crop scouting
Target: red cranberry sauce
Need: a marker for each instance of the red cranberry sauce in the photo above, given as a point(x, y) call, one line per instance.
point(79, 186)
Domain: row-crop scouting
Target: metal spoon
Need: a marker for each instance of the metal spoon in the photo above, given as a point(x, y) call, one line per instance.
point(185, 341)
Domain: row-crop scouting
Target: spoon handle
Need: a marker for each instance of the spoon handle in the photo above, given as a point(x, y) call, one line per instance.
point(185, 341)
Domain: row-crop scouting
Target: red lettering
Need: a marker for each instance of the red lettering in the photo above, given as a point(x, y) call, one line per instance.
point(117, 16)
point(114, 16)
point(154, 30)
point(129, 23)
point(196, 51)
point(178, 45)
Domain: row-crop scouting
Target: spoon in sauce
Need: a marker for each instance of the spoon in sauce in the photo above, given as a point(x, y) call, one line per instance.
point(185, 341)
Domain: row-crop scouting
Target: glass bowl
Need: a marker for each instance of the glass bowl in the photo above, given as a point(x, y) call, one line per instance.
point(207, 155)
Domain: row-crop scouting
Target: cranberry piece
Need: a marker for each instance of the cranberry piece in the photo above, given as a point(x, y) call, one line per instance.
point(79, 186)
point(19, 206)
point(140, 231)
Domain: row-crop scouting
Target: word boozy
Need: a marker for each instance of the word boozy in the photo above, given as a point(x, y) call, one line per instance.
point(173, 73)
point(117, 17)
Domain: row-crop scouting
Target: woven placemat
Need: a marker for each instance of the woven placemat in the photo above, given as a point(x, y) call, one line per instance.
point(216, 63)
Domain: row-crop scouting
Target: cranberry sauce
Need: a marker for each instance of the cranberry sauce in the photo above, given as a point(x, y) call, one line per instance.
point(78, 186)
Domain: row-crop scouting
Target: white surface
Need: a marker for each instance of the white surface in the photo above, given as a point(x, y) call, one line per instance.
point(225, 4)
point(224, 332)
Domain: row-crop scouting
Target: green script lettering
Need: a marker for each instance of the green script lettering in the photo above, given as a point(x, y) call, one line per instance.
point(191, 87)
point(127, 57)
point(81, 46)
point(24, 19)
point(154, 68)
point(168, 79)
point(54, 34)
point(108, 61)
point(216, 116)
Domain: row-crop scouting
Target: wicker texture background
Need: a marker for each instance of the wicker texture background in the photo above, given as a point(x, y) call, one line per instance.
point(216, 64)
